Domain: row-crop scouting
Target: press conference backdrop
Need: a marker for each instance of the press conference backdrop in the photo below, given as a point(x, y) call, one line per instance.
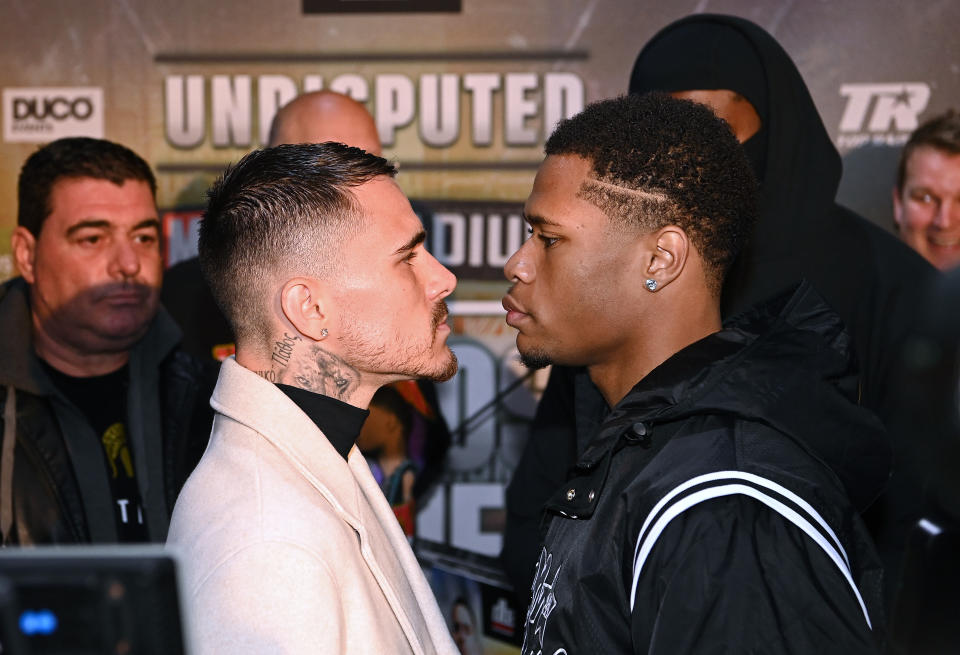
point(464, 93)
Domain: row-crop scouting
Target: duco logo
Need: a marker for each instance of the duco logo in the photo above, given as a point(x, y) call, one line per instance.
point(882, 114)
point(58, 108)
point(43, 114)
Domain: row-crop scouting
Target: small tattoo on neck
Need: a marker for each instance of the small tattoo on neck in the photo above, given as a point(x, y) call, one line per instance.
point(282, 350)
point(268, 375)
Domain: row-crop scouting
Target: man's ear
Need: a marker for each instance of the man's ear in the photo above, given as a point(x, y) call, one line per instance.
point(897, 209)
point(668, 255)
point(24, 247)
point(304, 303)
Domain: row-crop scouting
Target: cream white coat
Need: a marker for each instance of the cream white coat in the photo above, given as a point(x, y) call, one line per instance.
point(287, 548)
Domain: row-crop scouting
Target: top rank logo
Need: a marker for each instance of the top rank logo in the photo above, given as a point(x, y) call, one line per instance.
point(39, 115)
point(882, 114)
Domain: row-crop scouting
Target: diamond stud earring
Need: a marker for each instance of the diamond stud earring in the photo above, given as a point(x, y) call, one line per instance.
point(651, 284)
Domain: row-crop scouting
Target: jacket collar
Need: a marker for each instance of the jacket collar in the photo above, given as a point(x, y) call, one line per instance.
point(257, 403)
point(245, 397)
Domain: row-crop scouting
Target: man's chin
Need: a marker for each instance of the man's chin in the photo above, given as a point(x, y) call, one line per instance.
point(128, 328)
point(437, 371)
point(535, 359)
point(448, 370)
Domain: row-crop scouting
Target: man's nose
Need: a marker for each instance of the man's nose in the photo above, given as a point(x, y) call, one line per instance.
point(948, 214)
point(520, 268)
point(124, 260)
point(442, 281)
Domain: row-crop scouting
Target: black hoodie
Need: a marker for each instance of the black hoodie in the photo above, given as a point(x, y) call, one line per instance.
point(711, 512)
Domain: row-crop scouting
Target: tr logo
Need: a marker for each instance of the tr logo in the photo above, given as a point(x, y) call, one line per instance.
point(881, 108)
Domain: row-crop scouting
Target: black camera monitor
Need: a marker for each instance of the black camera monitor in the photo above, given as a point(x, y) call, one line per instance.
point(89, 600)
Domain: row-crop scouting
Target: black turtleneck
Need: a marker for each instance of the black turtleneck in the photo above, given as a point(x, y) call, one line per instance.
point(339, 421)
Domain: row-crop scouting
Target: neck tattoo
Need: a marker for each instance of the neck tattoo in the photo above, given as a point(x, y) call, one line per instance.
point(310, 367)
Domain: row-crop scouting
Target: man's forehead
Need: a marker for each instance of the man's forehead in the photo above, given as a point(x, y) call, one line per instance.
point(77, 202)
point(387, 215)
point(929, 161)
point(94, 190)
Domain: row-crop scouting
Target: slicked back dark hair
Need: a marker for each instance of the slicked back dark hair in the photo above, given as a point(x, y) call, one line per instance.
point(661, 161)
point(73, 157)
point(941, 132)
point(282, 211)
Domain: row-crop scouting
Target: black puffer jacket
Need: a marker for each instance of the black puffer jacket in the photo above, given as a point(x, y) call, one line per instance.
point(716, 508)
point(57, 491)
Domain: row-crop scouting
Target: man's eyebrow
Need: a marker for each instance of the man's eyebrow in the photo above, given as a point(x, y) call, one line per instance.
point(87, 223)
point(148, 222)
point(534, 219)
point(417, 239)
point(100, 223)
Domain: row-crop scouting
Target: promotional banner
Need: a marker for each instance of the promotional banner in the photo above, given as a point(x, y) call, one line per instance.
point(464, 94)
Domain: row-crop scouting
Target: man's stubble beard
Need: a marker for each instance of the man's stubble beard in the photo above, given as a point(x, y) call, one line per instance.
point(376, 358)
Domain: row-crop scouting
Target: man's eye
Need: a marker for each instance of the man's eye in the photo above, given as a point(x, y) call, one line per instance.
point(145, 238)
point(410, 257)
point(547, 241)
point(91, 240)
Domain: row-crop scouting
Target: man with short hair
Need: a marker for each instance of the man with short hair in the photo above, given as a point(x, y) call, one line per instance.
point(926, 198)
point(316, 258)
point(103, 417)
point(862, 271)
point(713, 509)
point(312, 117)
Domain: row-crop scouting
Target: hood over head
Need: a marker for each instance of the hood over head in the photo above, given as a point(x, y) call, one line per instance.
point(796, 161)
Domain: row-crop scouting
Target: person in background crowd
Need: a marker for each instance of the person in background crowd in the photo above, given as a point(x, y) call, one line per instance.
point(288, 545)
point(103, 417)
point(464, 628)
point(313, 118)
point(384, 441)
point(321, 116)
point(714, 509)
point(864, 273)
point(926, 199)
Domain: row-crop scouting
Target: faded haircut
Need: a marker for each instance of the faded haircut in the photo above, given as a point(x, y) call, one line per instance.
point(659, 161)
point(278, 213)
point(73, 158)
point(941, 132)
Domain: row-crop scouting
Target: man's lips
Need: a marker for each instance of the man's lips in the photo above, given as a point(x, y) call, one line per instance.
point(124, 298)
point(121, 294)
point(515, 312)
point(440, 315)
